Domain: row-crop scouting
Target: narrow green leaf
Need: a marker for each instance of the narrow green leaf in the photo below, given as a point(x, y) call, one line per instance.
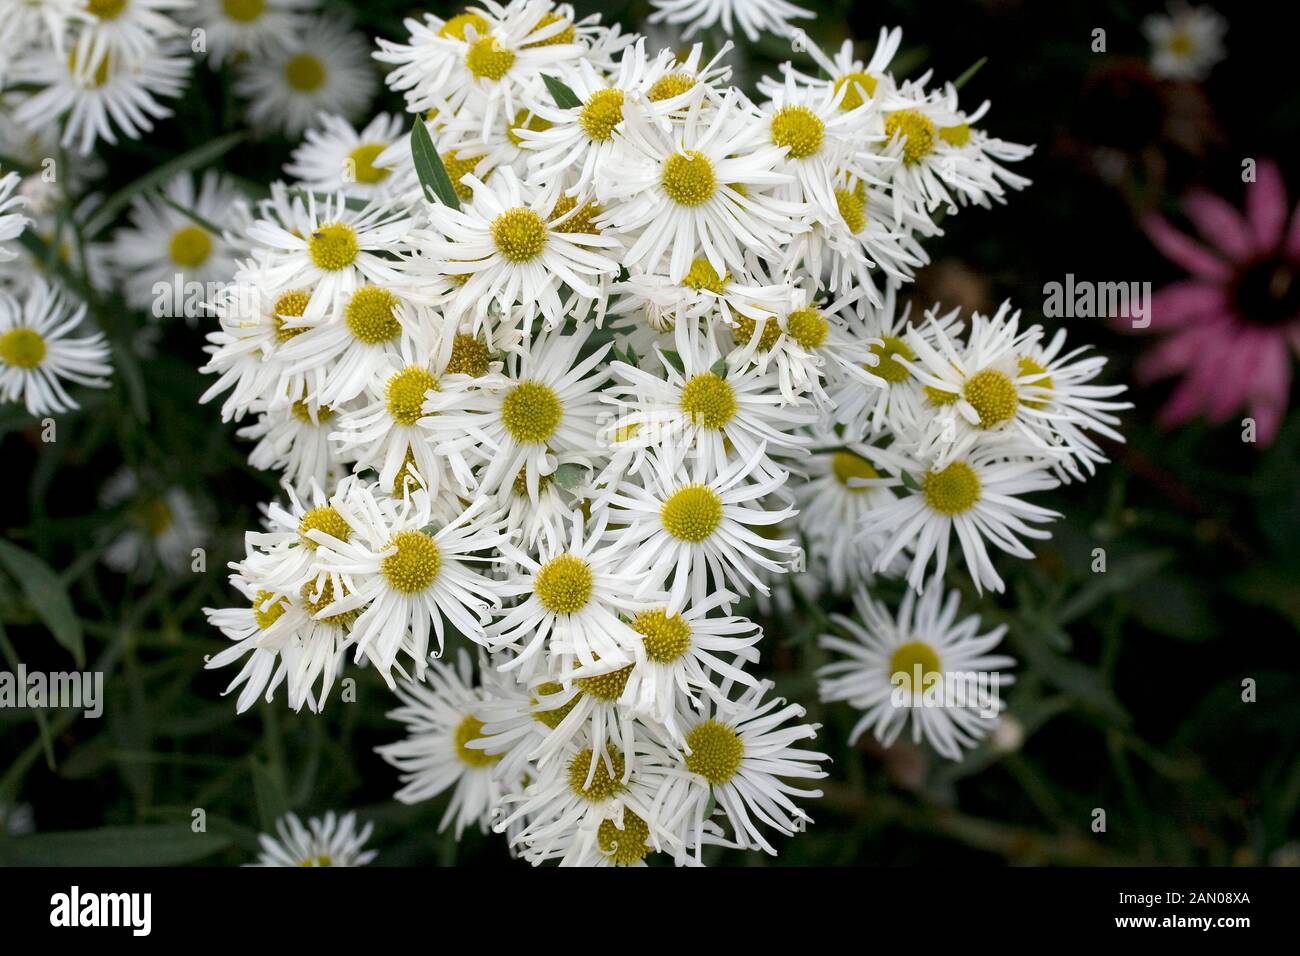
point(428, 166)
point(910, 482)
point(197, 158)
point(970, 72)
point(719, 368)
point(155, 845)
point(564, 97)
point(191, 215)
point(674, 360)
point(48, 597)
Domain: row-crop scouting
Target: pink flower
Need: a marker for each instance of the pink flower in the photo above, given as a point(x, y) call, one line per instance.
point(1228, 325)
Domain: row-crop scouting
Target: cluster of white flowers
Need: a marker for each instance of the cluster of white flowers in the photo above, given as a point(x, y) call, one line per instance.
point(596, 353)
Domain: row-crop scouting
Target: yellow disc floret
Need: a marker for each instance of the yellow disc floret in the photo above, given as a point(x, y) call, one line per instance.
point(919, 132)
point(489, 60)
point(716, 751)
point(688, 178)
point(190, 247)
point(363, 166)
point(1029, 367)
point(846, 465)
point(243, 11)
point(891, 371)
point(709, 400)
point(454, 28)
point(267, 608)
point(415, 564)
point(531, 411)
point(405, 391)
point(552, 718)
point(605, 686)
point(627, 846)
point(469, 356)
point(808, 327)
point(22, 348)
point(326, 519)
point(674, 84)
point(333, 246)
point(853, 97)
point(952, 491)
point(800, 130)
point(563, 584)
point(905, 660)
point(605, 782)
point(601, 113)
point(371, 317)
point(305, 73)
point(291, 305)
point(470, 729)
point(519, 234)
point(702, 277)
point(666, 637)
point(993, 396)
point(692, 513)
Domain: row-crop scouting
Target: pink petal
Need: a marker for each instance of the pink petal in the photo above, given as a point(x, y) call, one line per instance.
point(1177, 353)
point(1184, 251)
point(1236, 377)
point(1271, 391)
point(1220, 224)
point(1266, 205)
point(1185, 303)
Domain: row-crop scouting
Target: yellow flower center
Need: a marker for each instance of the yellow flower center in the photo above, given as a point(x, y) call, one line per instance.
point(405, 393)
point(688, 178)
point(918, 131)
point(993, 396)
point(604, 784)
point(190, 247)
point(1029, 367)
point(106, 9)
point(489, 60)
point(519, 234)
point(325, 519)
point(525, 120)
point(469, 357)
point(567, 35)
point(906, 658)
point(267, 609)
point(22, 348)
point(808, 327)
point(563, 584)
point(581, 221)
point(846, 465)
point(746, 327)
point(800, 130)
point(303, 412)
point(606, 686)
point(703, 277)
point(531, 412)
point(716, 751)
point(692, 513)
point(952, 491)
point(852, 205)
point(243, 11)
point(455, 27)
point(364, 169)
point(93, 81)
point(292, 305)
point(457, 166)
point(314, 604)
point(333, 246)
point(305, 73)
point(891, 371)
point(958, 135)
point(666, 637)
point(469, 729)
point(415, 564)
point(371, 315)
point(627, 846)
point(601, 113)
point(937, 396)
point(553, 717)
point(674, 84)
point(853, 96)
point(709, 400)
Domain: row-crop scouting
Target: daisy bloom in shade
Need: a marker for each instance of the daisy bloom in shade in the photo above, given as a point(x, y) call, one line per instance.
point(248, 28)
point(38, 353)
point(925, 665)
point(976, 496)
point(750, 16)
point(511, 251)
point(325, 69)
point(1230, 326)
point(12, 221)
point(861, 81)
point(161, 527)
point(1186, 41)
point(130, 27)
point(101, 94)
point(332, 841)
point(442, 717)
point(334, 156)
point(164, 245)
point(697, 530)
point(696, 188)
point(738, 754)
point(408, 578)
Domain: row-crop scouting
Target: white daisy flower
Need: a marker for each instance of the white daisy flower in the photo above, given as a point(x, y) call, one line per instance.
point(160, 527)
point(737, 753)
point(975, 496)
point(752, 17)
point(163, 245)
point(697, 530)
point(697, 188)
point(325, 69)
point(293, 438)
point(333, 841)
point(99, 95)
point(335, 157)
point(511, 250)
point(1186, 41)
point(408, 577)
point(862, 82)
point(239, 29)
point(12, 221)
point(130, 27)
point(925, 665)
point(38, 353)
point(442, 717)
point(28, 21)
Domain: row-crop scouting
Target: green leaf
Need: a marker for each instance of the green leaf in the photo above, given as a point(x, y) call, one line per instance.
point(970, 72)
point(197, 158)
point(564, 97)
point(154, 845)
point(428, 166)
point(674, 360)
point(569, 475)
point(47, 596)
point(909, 482)
point(719, 368)
point(191, 215)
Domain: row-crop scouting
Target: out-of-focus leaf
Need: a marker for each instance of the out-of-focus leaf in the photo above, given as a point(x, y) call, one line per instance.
point(1173, 605)
point(160, 845)
point(48, 598)
point(1123, 573)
